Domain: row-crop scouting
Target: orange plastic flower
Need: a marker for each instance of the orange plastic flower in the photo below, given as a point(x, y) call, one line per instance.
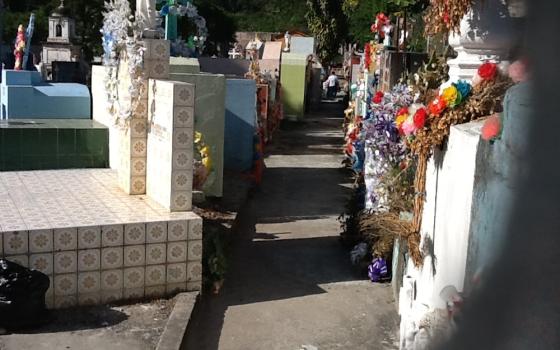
point(437, 106)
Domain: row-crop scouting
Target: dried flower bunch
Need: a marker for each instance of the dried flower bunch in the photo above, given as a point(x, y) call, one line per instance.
point(484, 99)
point(445, 15)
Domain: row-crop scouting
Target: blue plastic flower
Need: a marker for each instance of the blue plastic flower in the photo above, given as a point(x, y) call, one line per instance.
point(164, 10)
point(463, 88)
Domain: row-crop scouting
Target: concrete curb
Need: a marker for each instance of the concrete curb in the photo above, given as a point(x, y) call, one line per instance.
point(174, 332)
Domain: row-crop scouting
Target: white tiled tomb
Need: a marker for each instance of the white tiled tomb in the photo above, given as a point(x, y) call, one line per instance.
point(96, 243)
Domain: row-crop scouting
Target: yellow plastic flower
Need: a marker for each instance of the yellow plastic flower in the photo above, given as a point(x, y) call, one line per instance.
point(197, 137)
point(450, 95)
point(401, 119)
point(206, 161)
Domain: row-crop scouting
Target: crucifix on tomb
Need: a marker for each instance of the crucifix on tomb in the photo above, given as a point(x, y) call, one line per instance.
point(146, 13)
point(171, 20)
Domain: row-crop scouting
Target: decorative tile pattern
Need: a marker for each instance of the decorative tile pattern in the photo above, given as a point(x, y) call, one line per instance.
point(138, 127)
point(15, 243)
point(65, 285)
point(89, 260)
point(89, 282)
point(133, 294)
point(155, 291)
point(89, 237)
point(65, 239)
point(156, 232)
point(111, 258)
point(138, 147)
point(112, 236)
point(89, 206)
point(183, 117)
point(195, 229)
point(175, 288)
point(134, 255)
point(177, 252)
point(156, 254)
point(181, 201)
point(112, 280)
point(178, 230)
point(194, 271)
point(89, 299)
point(138, 185)
point(65, 302)
point(41, 241)
point(66, 262)
point(111, 296)
point(184, 95)
point(22, 260)
point(138, 166)
point(182, 180)
point(183, 138)
point(182, 160)
point(134, 234)
point(155, 275)
point(42, 262)
point(176, 273)
point(157, 49)
point(133, 277)
point(157, 69)
point(195, 250)
point(194, 286)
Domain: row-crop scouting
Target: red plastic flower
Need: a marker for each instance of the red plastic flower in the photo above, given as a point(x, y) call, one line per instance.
point(378, 97)
point(420, 118)
point(492, 127)
point(488, 71)
point(402, 111)
point(437, 106)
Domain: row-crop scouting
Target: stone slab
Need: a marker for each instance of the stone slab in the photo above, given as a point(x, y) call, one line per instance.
point(240, 125)
point(210, 121)
point(174, 332)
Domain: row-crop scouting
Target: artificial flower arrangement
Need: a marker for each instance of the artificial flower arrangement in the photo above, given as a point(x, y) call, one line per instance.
point(459, 103)
point(453, 104)
point(377, 28)
point(202, 162)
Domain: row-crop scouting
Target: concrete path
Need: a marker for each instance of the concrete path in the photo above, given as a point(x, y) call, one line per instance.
point(291, 285)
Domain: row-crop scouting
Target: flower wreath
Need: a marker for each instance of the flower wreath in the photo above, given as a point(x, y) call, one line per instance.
point(118, 44)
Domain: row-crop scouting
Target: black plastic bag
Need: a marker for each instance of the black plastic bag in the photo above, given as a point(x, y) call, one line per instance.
point(22, 296)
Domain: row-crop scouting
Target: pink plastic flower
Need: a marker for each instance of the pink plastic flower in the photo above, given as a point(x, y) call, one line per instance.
point(408, 127)
point(517, 71)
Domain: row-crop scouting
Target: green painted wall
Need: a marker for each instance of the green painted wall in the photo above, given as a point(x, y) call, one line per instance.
point(293, 79)
point(209, 119)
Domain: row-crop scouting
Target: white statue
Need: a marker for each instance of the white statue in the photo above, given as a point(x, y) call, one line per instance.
point(146, 14)
point(387, 29)
point(287, 41)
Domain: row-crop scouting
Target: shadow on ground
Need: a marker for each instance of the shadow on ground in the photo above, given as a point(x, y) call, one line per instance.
point(287, 252)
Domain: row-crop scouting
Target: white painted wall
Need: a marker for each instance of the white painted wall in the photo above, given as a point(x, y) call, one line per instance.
point(446, 221)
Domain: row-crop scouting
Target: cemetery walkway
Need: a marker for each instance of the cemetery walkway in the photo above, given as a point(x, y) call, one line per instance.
point(290, 283)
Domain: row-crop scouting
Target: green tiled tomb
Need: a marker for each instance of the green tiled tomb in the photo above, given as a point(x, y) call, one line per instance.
point(53, 144)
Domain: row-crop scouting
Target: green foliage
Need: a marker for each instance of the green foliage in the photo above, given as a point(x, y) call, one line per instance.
point(88, 15)
point(329, 26)
point(264, 15)
point(361, 17)
point(221, 28)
